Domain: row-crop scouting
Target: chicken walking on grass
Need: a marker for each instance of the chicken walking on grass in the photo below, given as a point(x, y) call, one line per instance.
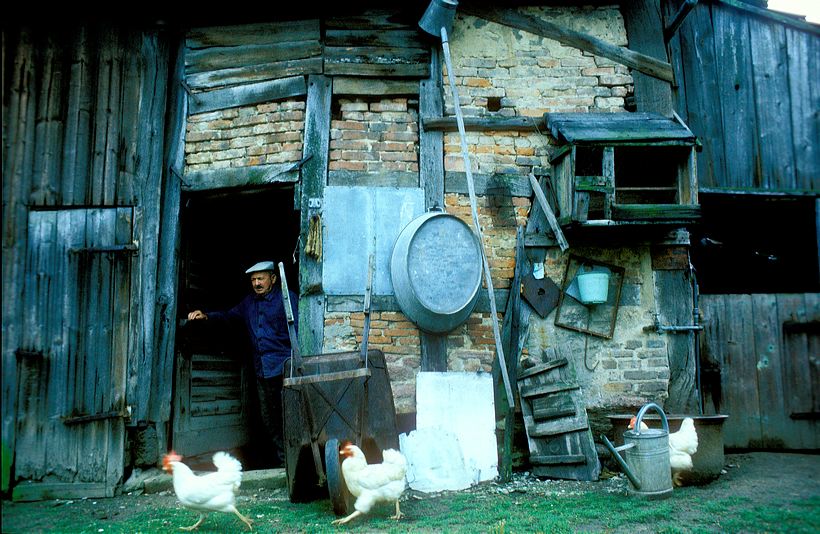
point(372, 483)
point(211, 492)
point(682, 445)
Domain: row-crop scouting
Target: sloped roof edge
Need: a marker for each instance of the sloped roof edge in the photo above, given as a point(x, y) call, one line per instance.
point(616, 128)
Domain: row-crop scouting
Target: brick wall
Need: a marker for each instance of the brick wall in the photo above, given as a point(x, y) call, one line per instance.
point(507, 73)
point(375, 136)
point(239, 137)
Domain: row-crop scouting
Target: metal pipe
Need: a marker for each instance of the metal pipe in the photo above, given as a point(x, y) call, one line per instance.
point(696, 321)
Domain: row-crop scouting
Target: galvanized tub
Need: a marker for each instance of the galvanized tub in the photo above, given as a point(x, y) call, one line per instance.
point(708, 461)
point(436, 271)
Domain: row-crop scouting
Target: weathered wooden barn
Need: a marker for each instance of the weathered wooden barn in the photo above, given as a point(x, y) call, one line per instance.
point(672, 145)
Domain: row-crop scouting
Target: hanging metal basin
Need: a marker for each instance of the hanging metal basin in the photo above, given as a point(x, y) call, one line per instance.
point(436, 271)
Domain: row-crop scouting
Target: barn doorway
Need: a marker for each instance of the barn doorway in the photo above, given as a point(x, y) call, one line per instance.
point(215, 405)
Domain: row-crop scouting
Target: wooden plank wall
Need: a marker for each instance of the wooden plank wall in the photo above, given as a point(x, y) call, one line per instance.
point(83, 124)
point(747, 86)
point(766, 347)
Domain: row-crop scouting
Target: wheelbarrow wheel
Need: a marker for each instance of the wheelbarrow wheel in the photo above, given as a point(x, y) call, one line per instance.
point(340, 496)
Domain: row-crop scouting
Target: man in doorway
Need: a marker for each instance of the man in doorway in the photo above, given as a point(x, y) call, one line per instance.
point(263, 314)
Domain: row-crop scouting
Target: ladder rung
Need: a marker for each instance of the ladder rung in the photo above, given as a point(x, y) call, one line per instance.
point(542, 368)
point(557, 459)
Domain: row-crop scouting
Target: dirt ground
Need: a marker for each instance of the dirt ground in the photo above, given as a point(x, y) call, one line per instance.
point(761, 477)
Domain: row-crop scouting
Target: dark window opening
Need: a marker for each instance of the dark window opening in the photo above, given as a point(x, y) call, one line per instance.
point(648, 175)
point(493, 103)
point(756, 245)
point(588, 161)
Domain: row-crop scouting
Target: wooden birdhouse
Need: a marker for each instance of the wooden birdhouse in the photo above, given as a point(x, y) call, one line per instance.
point(623, 168)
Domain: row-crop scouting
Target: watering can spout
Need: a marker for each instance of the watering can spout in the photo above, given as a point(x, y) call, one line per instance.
point(625, 466)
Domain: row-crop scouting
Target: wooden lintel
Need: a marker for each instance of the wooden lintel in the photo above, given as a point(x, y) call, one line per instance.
point(640, 62)
point(247, 94)
point(253, 176)
point(351, 85)
point(484, 124)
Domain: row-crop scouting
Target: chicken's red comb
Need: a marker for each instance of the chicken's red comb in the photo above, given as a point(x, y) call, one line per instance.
point(172, 456)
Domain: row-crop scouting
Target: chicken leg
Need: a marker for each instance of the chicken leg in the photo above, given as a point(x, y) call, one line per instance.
point(344, 520)
point(398, 515)
point(195, 525)
point(244, 519)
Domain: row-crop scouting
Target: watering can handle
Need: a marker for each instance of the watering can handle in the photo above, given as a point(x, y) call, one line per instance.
point(643, 410)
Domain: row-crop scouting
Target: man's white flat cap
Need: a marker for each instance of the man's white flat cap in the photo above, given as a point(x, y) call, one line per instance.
point(262, 266)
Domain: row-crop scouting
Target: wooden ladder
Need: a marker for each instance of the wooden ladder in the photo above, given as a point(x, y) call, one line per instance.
point(555, 419)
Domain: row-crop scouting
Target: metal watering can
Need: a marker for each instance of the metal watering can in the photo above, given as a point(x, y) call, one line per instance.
point(647, 457)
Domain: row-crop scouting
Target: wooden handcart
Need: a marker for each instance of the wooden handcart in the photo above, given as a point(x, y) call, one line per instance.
point(328, 399)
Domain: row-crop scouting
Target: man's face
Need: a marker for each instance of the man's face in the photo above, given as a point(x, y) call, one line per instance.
point(262, 282)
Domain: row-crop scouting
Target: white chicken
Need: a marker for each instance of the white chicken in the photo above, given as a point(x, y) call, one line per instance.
point(372, 483)
point(682, 445)
point(211, 492)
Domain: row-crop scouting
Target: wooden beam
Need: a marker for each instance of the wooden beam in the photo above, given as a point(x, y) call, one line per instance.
point(243, 95)
point(528, 23)
point(678, 18)
point(542, 201)
point(257, 175)
point(431, 142)
point(314, 178)
point(205, 81)
point(791, 20)
point(349, 85)
point(485, 124)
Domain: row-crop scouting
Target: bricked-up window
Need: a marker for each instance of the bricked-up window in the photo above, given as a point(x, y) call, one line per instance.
point(262, 134)
point(756, 244)
point(374, 135)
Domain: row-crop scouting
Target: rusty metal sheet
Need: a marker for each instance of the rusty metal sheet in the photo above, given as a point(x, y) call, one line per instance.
point(541, 294)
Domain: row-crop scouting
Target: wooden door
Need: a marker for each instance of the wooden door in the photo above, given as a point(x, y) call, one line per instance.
point(71, 399)
point(761, 354)
point(214, 382)
point(212, 400)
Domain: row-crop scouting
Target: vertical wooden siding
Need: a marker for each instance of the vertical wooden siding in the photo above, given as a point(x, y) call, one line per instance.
point(747, 87)
point(767, 350)
point(71, 400)
point(83, 125)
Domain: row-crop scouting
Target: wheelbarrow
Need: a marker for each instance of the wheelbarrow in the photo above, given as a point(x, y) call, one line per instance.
point(328, 399)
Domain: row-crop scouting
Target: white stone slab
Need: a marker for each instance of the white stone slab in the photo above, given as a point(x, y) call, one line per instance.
point(463, 404)
point(435, 462)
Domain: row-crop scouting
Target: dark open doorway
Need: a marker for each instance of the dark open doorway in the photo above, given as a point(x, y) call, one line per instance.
point(222, 236)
